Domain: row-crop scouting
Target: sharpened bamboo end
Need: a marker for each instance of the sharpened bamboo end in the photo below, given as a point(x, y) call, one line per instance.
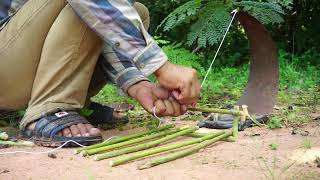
point(111, 163)
point(143, 166)
point(84, 153)
point(96, 158)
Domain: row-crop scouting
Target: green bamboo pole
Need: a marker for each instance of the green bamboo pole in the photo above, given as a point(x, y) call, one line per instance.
point(11, 143)
point(183, 153)
point(235, 128)
point(138, 155)
point(199, 135)
point(125, 143)
point(145, 145)
point(124, 138)
point(4, 136)
point(216, 110)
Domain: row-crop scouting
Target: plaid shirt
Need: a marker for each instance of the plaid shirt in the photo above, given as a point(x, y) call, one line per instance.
point(130, 53)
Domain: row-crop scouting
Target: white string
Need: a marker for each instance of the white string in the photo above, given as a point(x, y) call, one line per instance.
point(52, 150)
point(215, 56)
point(155, 115)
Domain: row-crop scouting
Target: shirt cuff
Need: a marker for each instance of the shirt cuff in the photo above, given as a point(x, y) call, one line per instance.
point(129, 77)
point(150, 59)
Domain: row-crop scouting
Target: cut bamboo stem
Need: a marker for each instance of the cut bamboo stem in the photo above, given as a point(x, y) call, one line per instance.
point(11, 143)
point(4, 136)
point(145, 145)
point(216, 110)
point(125, 143)
point(198, 135)
point(124, 138)
point(138, 155)
point(235, 129)
point(183, 153)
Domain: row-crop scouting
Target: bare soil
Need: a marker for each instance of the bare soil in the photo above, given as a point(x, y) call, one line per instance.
point(249, 158)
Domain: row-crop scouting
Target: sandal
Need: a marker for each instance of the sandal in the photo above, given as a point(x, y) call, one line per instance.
point(47, 128)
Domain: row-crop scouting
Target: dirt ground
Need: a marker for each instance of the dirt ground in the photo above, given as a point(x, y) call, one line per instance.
point(249, 158)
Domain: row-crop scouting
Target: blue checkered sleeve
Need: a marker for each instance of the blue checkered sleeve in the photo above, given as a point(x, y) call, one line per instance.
point(130, 52)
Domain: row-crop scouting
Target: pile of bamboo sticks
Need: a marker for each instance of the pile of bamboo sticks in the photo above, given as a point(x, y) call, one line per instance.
point(140, 144)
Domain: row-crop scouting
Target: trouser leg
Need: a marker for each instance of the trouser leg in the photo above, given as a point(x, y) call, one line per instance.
point(47, 59)
point(20, 50)
point(69, 55)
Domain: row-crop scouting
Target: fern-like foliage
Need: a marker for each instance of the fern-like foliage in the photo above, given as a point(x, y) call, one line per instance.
point(210, 18)
point(179, 15)
point(210, 25)
point(265, 12)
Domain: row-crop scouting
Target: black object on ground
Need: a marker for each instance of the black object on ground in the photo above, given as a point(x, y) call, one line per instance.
point(104, 115)
point(226, 122)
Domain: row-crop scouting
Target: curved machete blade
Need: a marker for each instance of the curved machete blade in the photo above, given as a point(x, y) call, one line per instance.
point(262, 87)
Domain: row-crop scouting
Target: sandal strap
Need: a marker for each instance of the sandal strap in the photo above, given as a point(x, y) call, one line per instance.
point(49, 126)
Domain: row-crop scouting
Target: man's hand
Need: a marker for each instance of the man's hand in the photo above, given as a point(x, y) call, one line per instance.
point(150, 95)
point(182, 81)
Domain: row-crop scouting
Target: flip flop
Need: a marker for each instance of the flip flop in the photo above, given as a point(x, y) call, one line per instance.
point(218, 121)
point(47, 128)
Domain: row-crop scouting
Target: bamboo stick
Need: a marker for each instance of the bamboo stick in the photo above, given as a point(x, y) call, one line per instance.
point(235, 129)
point(4, 136)
point(216, 110)
point(125, 143)
point(138, 155)
point(183, 153)
point(124, 138)
point(145, 145)
point(197, 134)
point(11, 143)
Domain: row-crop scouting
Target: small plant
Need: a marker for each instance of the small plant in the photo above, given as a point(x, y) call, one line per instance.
point(307, 143)
point(275, 123)
point(274, 146)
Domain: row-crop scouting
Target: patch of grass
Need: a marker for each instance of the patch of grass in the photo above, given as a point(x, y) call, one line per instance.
point(274, 146)
point(110, 94)
point(275, 123)
point(307, 144)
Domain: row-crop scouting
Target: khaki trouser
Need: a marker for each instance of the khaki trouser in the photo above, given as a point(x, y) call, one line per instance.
point(47, 58)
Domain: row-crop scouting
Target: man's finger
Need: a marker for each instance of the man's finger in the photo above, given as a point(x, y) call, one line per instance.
point(176, 107)
point(184, 96)
point(169, 108)
point(146, 100)
point(160, 107)
point(184, 109)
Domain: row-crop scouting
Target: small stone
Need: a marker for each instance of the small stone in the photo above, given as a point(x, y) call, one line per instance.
point(277, 107)
point(4, 146)
point(317, 161)
point(52, 155)
point(3, 171)
point(204, 162)
point(300, 132)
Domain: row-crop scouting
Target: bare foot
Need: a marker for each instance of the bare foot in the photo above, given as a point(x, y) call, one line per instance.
point(118, 115)
point(79, 130)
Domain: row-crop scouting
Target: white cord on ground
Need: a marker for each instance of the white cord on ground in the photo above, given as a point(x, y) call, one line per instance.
point(215, 56)
point(50, 151)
